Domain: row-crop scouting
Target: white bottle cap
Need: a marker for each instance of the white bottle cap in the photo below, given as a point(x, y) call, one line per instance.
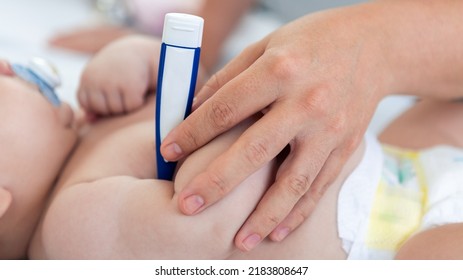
point(183, 30)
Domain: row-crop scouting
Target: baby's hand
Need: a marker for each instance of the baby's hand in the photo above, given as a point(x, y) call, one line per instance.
point(117, 79)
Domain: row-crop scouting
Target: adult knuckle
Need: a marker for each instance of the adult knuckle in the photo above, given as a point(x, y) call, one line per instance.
point(298, 185)
point(222, 114)
point(283, 65)
point(213, 84)
point(188, 136)
point(338, 124)
point(256, 152)
point(316, 193)
point(352, 144)
point(250, 49)
point(314, 103)
point(299, 216)
point(218, 183)
point(310, 203)
point(318, 102)
point(271, 220)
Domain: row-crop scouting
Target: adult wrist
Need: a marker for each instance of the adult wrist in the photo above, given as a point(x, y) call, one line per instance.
point(378, 70)
point(418, 38)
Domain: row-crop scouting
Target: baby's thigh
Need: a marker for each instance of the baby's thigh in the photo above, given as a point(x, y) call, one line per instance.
point(426, 124)
point(442, 242)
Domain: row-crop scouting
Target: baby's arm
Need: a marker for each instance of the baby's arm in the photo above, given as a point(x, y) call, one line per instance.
point(127, 217)
point(117, 79)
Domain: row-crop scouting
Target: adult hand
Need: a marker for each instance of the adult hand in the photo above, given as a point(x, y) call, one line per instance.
point(317, 80)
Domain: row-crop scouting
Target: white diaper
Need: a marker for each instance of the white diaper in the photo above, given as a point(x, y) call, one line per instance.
point(394, 193)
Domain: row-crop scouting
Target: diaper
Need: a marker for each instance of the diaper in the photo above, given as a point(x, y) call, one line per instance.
point(395, 193)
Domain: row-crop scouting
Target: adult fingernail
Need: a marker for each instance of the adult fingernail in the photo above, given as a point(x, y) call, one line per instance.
point(282, 233)
point(251, 241)
point(173, 151)
point(195, 102)
point(193, 203)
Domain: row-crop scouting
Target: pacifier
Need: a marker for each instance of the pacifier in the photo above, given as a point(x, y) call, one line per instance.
point(43, 74)
point(46, 71)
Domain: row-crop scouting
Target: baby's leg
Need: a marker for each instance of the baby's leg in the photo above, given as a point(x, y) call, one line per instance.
point(440, 243)
point(426, 124)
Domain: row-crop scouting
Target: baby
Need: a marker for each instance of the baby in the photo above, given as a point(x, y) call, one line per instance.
point(36, 137)
point(107, 203)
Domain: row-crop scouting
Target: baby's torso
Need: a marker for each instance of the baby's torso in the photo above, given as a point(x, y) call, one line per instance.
point(97, 154)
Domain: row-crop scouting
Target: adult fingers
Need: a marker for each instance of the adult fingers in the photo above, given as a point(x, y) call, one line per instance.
point(309, 200)
point(237, 65)
point(232, 103)
point(300, 169)
point(259, 144)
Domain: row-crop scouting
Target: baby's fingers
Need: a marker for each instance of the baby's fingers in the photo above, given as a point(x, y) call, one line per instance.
point(109, 101)
point(98, 103)
point(115, 102)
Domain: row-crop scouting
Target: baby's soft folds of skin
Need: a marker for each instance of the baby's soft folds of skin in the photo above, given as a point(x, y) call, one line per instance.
point(36, 139)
